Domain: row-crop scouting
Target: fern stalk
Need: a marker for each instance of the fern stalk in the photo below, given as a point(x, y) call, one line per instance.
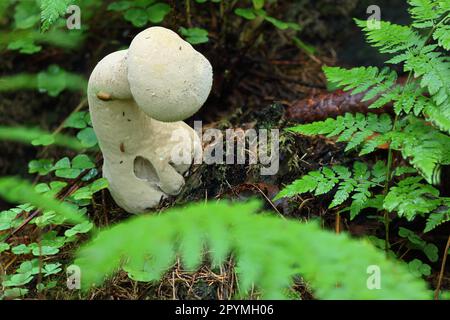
point(441, 273)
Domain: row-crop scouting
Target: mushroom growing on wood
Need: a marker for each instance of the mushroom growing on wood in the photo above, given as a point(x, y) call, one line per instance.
point(137, 99)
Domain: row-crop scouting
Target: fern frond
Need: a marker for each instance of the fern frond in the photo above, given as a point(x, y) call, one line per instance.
point(269, 252)
point(425, 147)
point(20, 191)
point(436, 219)
point(439, 116)
point(51, 10)
point(356, 183)
point(358, 129)
point(434, 72)
point(425, 13)
point(362, 79)
point(410, 198)
point(391, 38)
point(442, 36)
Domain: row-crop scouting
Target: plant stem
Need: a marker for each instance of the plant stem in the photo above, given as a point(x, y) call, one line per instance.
point(441, 273)
point(386, 189)
point(188, 13)
point(338, 223)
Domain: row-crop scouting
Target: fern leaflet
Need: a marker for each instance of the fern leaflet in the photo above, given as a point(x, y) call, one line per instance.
point(149, 245)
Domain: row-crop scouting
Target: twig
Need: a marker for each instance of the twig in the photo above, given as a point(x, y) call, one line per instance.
point(268, 200)
point(338, 223)
point(441, 273)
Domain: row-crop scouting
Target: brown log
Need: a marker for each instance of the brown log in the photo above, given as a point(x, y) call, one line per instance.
point(328, 105)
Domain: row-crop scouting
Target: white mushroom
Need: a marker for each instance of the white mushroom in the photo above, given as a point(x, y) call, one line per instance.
point(159, 78)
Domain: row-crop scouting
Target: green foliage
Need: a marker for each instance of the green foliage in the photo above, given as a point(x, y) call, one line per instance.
point(147, 246)
point(24, 35)
point(435, 219)
point(356, 183)
point(418, 134)
point(51, 10)
point(141, 12)
point(426, 13)
point(423, 145)
point(53, 213)
point(82, 120)
point(417, 243)
point(51, 81)
point(410, 198)
point(195, 35)
point(38, 137)
point(30, 41)
point(20, 191)
point(258, 11)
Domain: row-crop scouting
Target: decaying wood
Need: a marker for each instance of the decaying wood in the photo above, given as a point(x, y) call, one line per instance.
point(329, 105)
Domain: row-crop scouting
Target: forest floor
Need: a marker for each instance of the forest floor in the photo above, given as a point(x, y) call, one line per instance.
point(263, 80)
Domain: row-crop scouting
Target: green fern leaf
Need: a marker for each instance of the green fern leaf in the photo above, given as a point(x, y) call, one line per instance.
point(442, 35)
point(21, 191)
point(424, 12)
point(269, 252)
point(51, 10)
point(358, 182)
point(391, 38)
point(425, 147)
point(410, 198)
point(436, 219)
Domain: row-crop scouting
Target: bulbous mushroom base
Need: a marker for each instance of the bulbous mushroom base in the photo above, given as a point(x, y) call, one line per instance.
point(138, 181)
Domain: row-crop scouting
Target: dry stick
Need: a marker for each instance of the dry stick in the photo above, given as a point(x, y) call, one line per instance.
point(441, 273)
point(338, 223)
point(268, 200)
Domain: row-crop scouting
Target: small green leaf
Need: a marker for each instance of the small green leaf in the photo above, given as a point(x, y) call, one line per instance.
point(30, 266)
point(14, 293)
point(248, 14)
point(3, 246)
point(120, 5)
point(68, 173)
point(21, 249)
point(25, 45)
point(19, 279)
point(41, 188)
point(137, 16)
point(99, 184)
point(76, 120)
point(41, 166)
point(53, 80)
point(418, 268)
point(44, 251)
point(432, 252)
point(258, 4)
point(82, 161)
point(51, 268)
point(63, 163)
point(157, 12)
point(195, 35)
point(87, 137)
point(79, 228)
point(44, 140)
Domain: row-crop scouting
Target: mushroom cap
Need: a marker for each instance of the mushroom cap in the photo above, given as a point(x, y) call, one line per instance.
point(168, 78)
point(110, 76)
